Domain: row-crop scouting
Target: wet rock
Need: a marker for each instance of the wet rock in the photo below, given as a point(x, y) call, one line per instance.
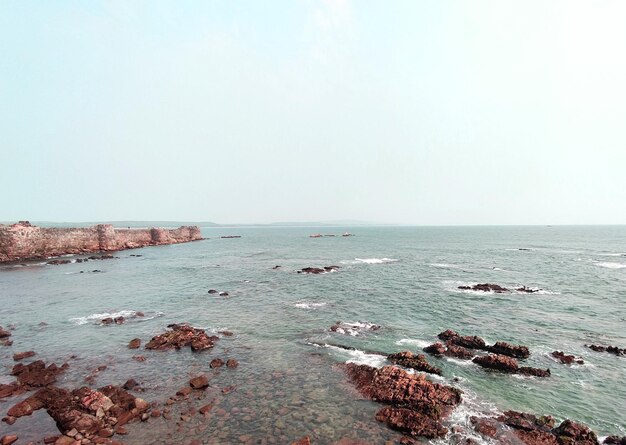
point(4, 333)
point(411, 422)
point(536, 372)
point(36, 374)
point(119, 320)
point(528, 290)
point(302, 441)
point(22, 355)
point(223, 294)
point(230, 236)
point(199, 382)
point(486, 287)
point(10, 390)
point(505, 348)
point(572, 433)
point(180, 336)
point(526, 421)
point(615, 440)
point(448, 334)
point(107, 320)
point(212, 291)
point(139, 358)
point(409, 360)
point(353, 329)
point(497, 362)
point(216, 363)
point(567, 359)
point(485, 425)
point(276, 267)
point(468, 341)
point(435, 349)
point(130, 384)
point(232, 363)
point(58, 262)
point(8, 439)
point(458, 351)
point(611, 349)
point(226, 333)
point(134, 343)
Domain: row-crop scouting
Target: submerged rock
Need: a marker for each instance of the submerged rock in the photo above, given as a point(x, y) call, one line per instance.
point(610, 349)
point(318, 270)
point(134, 343)
point(4, 333)
point(36, 374)
point(181, 335)
point(22, 355)
point(436, 349)
point(567, 359)
point(486, 287)
point(409, 360)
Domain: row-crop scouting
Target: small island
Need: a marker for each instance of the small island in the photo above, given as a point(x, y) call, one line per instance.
point(24, 241)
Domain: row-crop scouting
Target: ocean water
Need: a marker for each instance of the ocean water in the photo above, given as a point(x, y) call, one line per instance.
point(288, 383)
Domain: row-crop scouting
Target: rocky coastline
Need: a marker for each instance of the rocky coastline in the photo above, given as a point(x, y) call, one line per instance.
point(23, 241)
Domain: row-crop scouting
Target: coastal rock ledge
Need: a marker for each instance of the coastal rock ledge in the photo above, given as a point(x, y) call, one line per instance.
point(23, 241)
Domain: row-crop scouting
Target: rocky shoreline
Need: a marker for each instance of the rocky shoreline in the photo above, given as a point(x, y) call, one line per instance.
point(23, 241)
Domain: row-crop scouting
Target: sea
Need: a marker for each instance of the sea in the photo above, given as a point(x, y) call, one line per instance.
point(290, 382)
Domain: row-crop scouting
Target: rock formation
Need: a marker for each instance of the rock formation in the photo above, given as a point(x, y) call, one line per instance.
point(24, 241)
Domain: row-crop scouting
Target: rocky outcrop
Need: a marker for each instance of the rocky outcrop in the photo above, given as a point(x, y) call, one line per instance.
point(418, 362)
point(37, 374)
point(567, 359)
point(465, 341)
point(417, 405)
point(24, 241)
point(182, 335)
point(504, 348)
point(610, 349)
point(497, 289)
point(318, 270)
point(507, 364)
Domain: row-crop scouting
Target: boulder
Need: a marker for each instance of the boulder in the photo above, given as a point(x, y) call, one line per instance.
point(411, 422)
point(468, 341)
point(22, 355)
point(4, 333)
point(232, 363)
point(216, 363)
point(199, 382)
point(436, 349)
point(458, 351)
point(448, 334)
point(180, 336)
point(504, 348)
point(36, 374)
point(497, 362)
point(134, 343)
point(409, 360)
point(567, 359)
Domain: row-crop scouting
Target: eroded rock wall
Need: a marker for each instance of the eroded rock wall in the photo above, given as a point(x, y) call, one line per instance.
point(23, 241)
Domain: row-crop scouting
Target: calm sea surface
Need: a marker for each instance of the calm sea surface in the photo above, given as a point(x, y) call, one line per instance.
point(404, 279)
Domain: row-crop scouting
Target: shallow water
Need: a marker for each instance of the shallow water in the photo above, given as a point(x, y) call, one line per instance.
point(404, 279)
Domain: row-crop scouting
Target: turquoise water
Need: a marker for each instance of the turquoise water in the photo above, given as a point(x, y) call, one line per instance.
point(402, 278)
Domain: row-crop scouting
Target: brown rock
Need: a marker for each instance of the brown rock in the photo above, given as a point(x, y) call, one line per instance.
point(536, 372)
point(4, 333)
point(497, 362)
point(505, 348)
point(458, 351)
point(615, 440)
point(572, 433)
point(22, 355)
point(409, 360)
point(232, 363)
point(216, 363)
point(139, 358)
point(134, 343)
point(8, 439)
point(435, 349)
point(567, 359)
point(484, 425)
point(411, 422)
point(486, 287)
point(180, 336)
point(130, 384)
point(206, 408)
point(200, 382)
point(36, 374)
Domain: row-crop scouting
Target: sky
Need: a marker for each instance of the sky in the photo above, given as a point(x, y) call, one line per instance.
point(408, 112)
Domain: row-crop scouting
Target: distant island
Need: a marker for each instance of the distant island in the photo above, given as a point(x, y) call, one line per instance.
point(24, 241)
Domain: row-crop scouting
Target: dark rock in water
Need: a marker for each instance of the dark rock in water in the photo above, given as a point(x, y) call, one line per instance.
point(505, 348)
point(526, 421)
point(567, 359)
point(22, 355)
point(216, 363)
point(528, 290)
point(58, 262)
point(497, 362)
point(130, 384)
point(181, 335)
point(615, 440)
point(458, 351)
point(411, 422)
point(486, 287)
point(230, 236)
point(318, 270)
point(276, 267)
point(4, 333)
point(435, 349)
point(409, 360)
point(134, 343)
point(8, 439)
point(200, 382)
point(119, 320)
point(212, 291)
point(536, 372)
point(486, 426)
point(107, 320)
point(10, 389)
point(396, 387)
point(570, 432)
point(232, 363)
point(223, 294)
point(448, 334)
point(611, 349)
point(36, 374)
point(226, 333)
point(469, 341)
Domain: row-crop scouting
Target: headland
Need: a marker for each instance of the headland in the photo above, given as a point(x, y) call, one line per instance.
point(23, 241)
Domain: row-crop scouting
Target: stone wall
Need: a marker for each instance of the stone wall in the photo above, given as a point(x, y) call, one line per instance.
point(23, 241)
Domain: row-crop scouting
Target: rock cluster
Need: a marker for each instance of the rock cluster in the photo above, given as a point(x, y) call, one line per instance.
point(497, 289)
point(610, 349)
point(418, 362)
point(416, 405)
point(508, 364)
point(567, 359)
point(181, 335)
point(318, 270)
point(533, 430)
point(504, 348)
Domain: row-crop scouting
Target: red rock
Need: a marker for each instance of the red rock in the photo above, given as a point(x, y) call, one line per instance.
point(134, 343)
point(107, 320)
point(206, 408)
point(498, 362)
point(139, 358)
point(526, 421)
point(36, 374)
point(232, 363)
point(469, 341)
point(615, 440)
point(458, 351)
point(435, 349)
point(22, 355)
point(573, 433)
point(411, 422)
point(25, 408)
point(10, 389)
point(216, 363)
point(8, 439)
point(409, 360)
point(486, 426)
point(180, 336)
point(448, 334)
point(505, 348)
point(567, 359)
point(200, 382)
point(302, 441)
point(536, 372)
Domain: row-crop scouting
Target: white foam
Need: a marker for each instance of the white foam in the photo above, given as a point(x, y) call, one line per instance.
point(460, 362)
point(375, 260)
point(309, 305)
point(413, 341)
point(362, 358)
point(610, 265)
point(126, 313)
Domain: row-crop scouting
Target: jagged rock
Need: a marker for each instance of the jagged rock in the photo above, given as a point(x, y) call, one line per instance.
point(4, 333)
point(526, 421)
point(468, 341)
point(486, 287)
point(199, 382)
point(448, 334)
point(10, 389)
point(498, 362)
point(8, 439)
point(409, 360)
point(528, 290)
point(527, 370)
point(615, 440)
point(22, 355)
point(486, 426)
point(436, 349)
point(318, 270)
point(458, 351)
point(130, 384)
point(180, 336)
point(567, 359)
point(232, 363)
point(411, 422)
point(504, 348)
point(572, 433)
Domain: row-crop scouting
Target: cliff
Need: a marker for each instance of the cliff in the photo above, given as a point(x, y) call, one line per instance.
point(24, 241)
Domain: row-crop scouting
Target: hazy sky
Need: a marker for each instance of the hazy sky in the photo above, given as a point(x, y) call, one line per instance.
point(418, 112)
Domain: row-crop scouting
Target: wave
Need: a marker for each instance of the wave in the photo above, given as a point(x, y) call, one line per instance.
point(413, 341)
point(309, 305)
point(609, 265)
point(360, 357)
point(370, 261)
point(126, 313)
